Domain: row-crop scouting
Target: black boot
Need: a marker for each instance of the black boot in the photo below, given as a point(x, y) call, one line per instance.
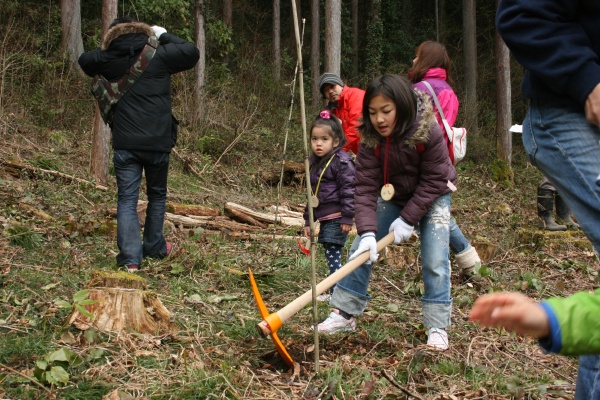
point(545, 206)
point(563, 212)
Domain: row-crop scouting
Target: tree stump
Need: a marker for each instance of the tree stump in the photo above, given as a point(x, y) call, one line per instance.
point(124, 303)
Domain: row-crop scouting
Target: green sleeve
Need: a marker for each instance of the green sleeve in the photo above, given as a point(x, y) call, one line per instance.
point(579, 321)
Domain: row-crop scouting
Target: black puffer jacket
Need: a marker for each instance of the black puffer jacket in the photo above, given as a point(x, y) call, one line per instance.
point(418, 167)
point(142, 118)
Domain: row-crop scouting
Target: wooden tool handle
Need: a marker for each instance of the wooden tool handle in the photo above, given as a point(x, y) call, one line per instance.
point(274, 321)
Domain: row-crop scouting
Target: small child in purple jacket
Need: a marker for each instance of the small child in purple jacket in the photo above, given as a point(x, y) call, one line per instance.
point(332, 179)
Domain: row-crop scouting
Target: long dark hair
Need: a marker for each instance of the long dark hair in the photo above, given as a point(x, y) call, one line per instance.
point(329, 121)
point(429, 55)
point(400, 91)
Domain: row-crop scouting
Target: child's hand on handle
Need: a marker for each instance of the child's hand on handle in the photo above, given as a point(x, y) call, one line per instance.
point(367, 242)
point(307, 231)
point(512, 311)
point(402, 230)
point(346, 228)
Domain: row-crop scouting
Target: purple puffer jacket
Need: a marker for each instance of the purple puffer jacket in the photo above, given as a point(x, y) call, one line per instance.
point(336, 191)
point(419, 169)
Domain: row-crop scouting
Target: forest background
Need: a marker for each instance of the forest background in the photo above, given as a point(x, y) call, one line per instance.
point(237, 128)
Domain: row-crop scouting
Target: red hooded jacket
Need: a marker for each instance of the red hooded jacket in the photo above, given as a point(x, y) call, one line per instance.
point(349, 111)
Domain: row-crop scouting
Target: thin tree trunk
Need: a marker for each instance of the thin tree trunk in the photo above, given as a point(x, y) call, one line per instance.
point(355, 37)
point(71, 40)
point(277, 40)
point(200, 37)
point(315, 53)
point(470, 50)
point(503, 102)
point(101, 131)
point(333, 36)
point(228, 12)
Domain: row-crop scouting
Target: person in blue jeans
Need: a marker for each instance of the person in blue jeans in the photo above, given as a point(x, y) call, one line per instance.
point(404, 178)
point(558, 44)
point(433, 65)
point(143, 129)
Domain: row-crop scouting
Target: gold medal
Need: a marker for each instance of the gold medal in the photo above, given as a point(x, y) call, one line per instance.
point(387, 192)
point(314, 201)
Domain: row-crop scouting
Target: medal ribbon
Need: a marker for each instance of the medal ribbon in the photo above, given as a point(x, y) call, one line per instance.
point(386, 158)
point(320, 176)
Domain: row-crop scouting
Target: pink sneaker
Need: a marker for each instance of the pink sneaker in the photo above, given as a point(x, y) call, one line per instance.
point(336, 323)
point(169, 248)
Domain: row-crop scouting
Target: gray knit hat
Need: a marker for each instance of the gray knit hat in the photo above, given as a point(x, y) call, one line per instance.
point(331, 78)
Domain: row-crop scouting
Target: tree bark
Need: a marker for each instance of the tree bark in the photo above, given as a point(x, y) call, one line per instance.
point(503, 102)
point(71, 40)
point(228, 12)
point(470, 50)
point(199, 70)
point(315, 53)
point(333, 36)
point(123, 303)
point(101, 131)
point(355, 37)
point(276, 40)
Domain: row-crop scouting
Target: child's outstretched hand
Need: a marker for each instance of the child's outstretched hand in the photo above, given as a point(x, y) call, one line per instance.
point(511, 311)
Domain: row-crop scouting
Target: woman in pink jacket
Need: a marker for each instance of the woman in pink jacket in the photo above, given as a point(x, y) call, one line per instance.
point(432, 64)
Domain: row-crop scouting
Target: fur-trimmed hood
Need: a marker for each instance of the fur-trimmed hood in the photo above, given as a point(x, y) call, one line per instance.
point(418, 133)
point(123, 29)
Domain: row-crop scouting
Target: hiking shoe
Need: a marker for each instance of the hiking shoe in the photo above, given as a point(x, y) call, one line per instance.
point(169, 248)
point(437, 338)
point(336, 323)
point(133, 268)
point(324, 297)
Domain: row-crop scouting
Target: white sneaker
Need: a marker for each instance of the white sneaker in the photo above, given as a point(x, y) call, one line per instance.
point(324, 297)
point(336, 323)
point(437, 338)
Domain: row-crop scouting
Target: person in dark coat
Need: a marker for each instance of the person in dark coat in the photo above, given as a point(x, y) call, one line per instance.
point(404, 178)
point(332, 179)
point(143, 129)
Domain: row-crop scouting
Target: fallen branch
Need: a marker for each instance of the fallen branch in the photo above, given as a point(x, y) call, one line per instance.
point(263, 217)
point(393, 382)
point(14, 371)
point(40, 171)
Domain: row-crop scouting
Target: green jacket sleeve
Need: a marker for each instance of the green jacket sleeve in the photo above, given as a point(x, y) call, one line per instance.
point(574, 324)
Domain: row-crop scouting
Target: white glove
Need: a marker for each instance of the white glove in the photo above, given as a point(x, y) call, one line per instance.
point(402, 230)
point(158, 30)
point(367, 242)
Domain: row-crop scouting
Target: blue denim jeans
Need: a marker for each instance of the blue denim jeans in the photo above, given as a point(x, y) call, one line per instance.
point(458, 241)
point(565, 147)
point(588, 379)
point(350, 294)
point(128, 171)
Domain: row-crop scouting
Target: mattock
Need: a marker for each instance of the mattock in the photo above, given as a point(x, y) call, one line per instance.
point(272, 322)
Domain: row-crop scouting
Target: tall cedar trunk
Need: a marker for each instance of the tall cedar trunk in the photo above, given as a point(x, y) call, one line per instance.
point(228, 12)
point(101, 132)
point(333, 36)
point(503, 99)
point(470, 50)
point(71, 40)
point(228, 20)
point(277, 40)
point(200, 36)
point(355, 37)
point(315, 53)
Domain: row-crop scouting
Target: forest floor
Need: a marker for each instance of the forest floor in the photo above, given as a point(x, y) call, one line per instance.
point(54, 232)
